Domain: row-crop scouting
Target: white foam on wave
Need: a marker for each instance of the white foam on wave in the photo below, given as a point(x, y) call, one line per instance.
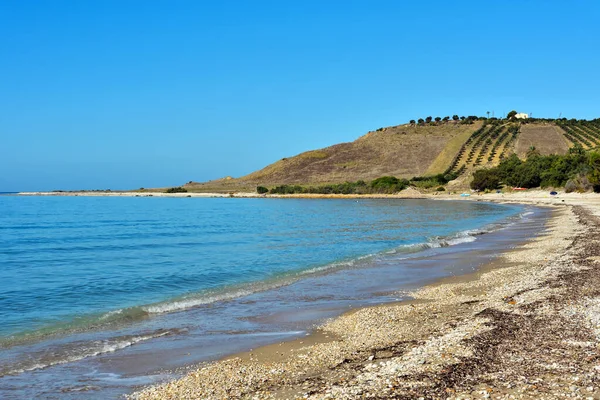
point(111, 314)
point(438, 242)
point(336, 265)
point(184, 304)
point(96, 348)
point(204, 299)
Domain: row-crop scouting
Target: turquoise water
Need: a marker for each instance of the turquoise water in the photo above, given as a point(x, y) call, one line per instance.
point(64, 258)
point(97, 294)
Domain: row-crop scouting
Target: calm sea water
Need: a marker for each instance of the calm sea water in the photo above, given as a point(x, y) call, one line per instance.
point(81, 277)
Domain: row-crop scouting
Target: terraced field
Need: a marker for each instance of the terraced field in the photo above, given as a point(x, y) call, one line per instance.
point(489, 144)
point(584, 133)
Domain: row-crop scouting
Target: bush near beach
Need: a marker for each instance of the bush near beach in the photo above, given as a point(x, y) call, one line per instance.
point(177, 189)
point(576, 171)
point(382, 185)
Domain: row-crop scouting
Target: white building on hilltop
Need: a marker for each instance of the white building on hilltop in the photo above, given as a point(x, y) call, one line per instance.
point(521, 116)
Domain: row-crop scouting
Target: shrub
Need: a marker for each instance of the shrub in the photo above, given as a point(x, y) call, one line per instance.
point(177, 189)
point(287, 189)
point(577, 170)
point(388, 184)
point(261, 190)
point(430, 181)
point(485, 179)
point(440, 189)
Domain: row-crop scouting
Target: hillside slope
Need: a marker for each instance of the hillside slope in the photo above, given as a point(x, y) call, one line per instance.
point(546, 138)
point(409, 150)
point(401, 151)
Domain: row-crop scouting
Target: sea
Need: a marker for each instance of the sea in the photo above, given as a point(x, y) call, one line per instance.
point(100, 296)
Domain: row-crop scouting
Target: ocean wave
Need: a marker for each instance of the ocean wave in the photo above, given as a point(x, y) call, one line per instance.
point(356, 262)
point(126, 315)
point(184, 304)
point(78, 351)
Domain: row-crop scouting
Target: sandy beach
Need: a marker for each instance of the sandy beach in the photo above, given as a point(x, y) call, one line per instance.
point(527, 325)
point(406, 194)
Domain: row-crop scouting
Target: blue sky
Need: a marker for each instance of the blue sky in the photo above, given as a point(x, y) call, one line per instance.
point(127, 94)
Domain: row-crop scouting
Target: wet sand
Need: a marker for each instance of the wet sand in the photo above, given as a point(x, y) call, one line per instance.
point(525, 326)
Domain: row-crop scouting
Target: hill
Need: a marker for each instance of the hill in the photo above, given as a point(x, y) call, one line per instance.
point(418, 149)
point(403, 151)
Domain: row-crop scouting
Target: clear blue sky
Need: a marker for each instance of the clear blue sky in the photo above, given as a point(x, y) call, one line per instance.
point(123, 94)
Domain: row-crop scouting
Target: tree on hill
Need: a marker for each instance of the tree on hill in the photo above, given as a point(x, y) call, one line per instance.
point(455, 117)
point(462, 118)
point(412, 121)
point(446, 119)
point(428, 119)
point(577, 149)
point(438, 119)
point(511, 114)
point(421, 121)
point(532, 152)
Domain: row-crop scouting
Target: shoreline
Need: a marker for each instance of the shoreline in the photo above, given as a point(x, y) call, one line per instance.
point(407, 194)
point(309, 301)
point(532, 196)
point(362, 351)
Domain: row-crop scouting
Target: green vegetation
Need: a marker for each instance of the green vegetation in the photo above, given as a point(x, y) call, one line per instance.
point(388, 184)
point(427, 182)
point(177, 189)
point(577, 170)
point(261, 190)
point(385, 184)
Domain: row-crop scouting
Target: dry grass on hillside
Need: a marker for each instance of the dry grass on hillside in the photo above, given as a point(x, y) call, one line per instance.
point(547, 139)
point(402, 151)
point(446, 156)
